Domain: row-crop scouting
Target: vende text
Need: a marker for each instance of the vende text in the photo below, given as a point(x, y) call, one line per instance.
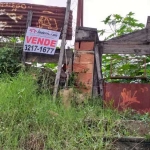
point(41, 41)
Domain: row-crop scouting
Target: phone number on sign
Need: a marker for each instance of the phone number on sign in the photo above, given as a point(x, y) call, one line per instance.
point(40, 49)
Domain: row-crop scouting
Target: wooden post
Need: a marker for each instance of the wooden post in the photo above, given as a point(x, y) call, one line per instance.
point(99, 71)
point(68, 72)
point(28, 24)
point(57, 79)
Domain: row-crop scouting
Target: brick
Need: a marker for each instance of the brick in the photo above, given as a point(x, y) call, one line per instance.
point(84, 82)
point(84, 58)
point(85, 78)
point(83, 68)
point(84, 46)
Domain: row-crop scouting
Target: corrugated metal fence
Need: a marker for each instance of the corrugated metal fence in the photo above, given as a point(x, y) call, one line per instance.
point(13, 17)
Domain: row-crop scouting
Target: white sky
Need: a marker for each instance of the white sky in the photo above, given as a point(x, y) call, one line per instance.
point(97, 10)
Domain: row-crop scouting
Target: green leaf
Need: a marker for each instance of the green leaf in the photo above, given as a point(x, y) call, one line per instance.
point(117, 17)
point(101, 32)
point(107, 19)
point(130, 14)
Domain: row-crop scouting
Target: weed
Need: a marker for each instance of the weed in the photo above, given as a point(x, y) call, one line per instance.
point(33, 121)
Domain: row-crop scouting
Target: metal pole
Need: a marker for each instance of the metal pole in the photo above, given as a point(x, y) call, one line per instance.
point(80, 13)
point(57, 79)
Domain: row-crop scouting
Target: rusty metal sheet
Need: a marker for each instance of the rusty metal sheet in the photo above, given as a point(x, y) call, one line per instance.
point(13, 17)
point(128, 95)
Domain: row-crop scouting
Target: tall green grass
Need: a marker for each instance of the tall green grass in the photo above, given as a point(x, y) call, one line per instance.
point(33, 121)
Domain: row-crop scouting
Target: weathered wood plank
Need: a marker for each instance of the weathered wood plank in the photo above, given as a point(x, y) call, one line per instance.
point(148, 22)
point(62, 51)
point(99, 67)
point(124, 42)
point(95, 90)
point(126, 49)
point(127, 77)
point(136, 35)
point(83, 52)
point(44, 58)
point(148, 35)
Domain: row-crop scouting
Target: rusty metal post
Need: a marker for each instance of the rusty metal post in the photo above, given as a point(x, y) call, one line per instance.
point(62, 50)
point(82, 10)
point(80, 13)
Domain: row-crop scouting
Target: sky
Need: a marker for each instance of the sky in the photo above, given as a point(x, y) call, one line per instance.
point(97, 10)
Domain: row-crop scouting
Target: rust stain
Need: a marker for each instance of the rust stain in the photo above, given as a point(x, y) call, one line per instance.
point(144, 89)
point(45, 22)
point(13, 18)
point(128, 98)
point(48, 12)
point(14, 6)
point(128, 95)
point(3, 25)
point(107, 94)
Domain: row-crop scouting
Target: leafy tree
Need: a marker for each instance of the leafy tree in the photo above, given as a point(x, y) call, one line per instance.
point(120, 25)
point(122, 65)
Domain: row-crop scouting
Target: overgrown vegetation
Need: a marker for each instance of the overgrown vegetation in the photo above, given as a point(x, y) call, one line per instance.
point(31, 120)
point(123, 65)
point(119, 25)
point(10, 60)
point(34, 121)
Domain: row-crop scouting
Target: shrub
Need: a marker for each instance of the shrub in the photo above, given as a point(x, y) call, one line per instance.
point(10, 60)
